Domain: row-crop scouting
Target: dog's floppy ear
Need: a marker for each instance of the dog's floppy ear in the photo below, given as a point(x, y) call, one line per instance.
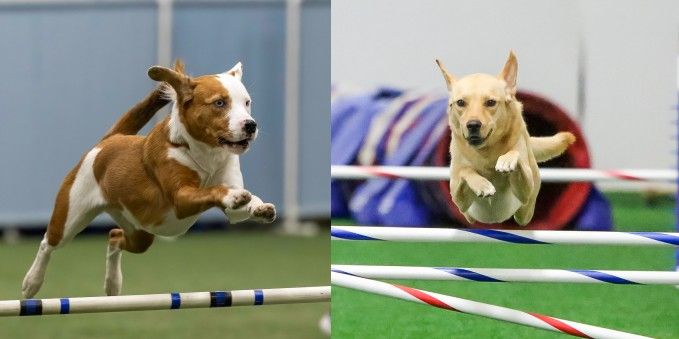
point(508, 73)
point(236, 71)
point(450, 79)
point(179, 81)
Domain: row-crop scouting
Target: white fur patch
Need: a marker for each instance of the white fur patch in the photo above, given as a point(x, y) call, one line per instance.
point(177, 130)
point(239, 112)
point(85, 190)
point(85, 195)
point(171, 226)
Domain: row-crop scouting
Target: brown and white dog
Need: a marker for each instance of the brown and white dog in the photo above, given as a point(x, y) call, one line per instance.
point(494, 172)
point(159, 184)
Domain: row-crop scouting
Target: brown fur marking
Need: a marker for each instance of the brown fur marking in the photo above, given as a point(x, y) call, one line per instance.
point(203, 120)
point(136, 242)
point(55, 228)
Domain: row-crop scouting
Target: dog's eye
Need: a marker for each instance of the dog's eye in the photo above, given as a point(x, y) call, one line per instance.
point(490, 103)
point(247, 103)
point(219, 103)
point(461, 103)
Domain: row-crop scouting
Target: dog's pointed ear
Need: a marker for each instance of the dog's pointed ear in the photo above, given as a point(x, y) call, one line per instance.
point(508, 73)
point(179, 66)
point(236, 71)
point(450, 79)
point(180, 82)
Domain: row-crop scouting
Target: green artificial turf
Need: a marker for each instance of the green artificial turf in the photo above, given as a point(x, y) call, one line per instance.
point(195, 262)
point(646, 310)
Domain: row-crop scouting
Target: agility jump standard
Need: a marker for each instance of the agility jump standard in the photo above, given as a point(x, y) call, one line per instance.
point(511, 275)
point(470, 235)
point(547, 174)
point(473, 307)
point(165, 301)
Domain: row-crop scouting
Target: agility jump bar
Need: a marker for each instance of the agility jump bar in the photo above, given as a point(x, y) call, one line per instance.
point(166, 301)
point(511, 275)
point(476, 308)
point(470, 235)
point(562, 175)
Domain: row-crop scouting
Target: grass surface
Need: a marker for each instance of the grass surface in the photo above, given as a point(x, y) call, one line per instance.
point(196, 262)
point(647, 310)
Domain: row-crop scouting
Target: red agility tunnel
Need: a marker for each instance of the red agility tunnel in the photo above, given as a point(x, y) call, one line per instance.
point(558, 203)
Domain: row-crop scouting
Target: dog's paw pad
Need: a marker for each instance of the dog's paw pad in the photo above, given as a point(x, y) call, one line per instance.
point(506, 163)
point(237, 198)
point(266, 212)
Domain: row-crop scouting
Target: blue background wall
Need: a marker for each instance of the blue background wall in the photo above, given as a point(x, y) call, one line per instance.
point(69, 71)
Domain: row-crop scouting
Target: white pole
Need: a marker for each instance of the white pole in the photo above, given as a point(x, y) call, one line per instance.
point(511, 275)
point(293, 19)
point(473, 307)
point(472, 235)
point(164, 35)
point(165, 301)
point(547, 174)
point(164, 44)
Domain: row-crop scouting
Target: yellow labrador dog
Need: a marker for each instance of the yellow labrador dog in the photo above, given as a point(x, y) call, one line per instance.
point(494, 171)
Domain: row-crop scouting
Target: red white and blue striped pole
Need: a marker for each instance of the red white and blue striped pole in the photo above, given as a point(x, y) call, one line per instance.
point(546, 174)
point(473, 307)
point(511, 275)
point(470, 235)
point(165, 301)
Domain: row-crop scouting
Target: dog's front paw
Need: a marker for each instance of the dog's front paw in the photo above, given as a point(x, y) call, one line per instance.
point(265, 212)
point(507, 162)
point(236, 198)
point(481, 186)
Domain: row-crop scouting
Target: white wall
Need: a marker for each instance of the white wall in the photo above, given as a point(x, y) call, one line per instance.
point(629, 48)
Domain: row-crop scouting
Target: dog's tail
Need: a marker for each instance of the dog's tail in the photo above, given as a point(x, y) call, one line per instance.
point(140, 114)
point(546, 148)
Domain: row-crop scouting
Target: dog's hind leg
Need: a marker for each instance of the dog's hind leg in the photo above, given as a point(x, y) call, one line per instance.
point(79, 200)
point(36, 274)
point(546, 148)
point(136, 241)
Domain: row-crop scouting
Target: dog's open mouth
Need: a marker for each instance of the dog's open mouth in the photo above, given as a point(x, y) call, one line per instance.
point(241, 143)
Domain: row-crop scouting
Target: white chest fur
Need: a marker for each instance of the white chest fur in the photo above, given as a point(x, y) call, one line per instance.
point(215, 167)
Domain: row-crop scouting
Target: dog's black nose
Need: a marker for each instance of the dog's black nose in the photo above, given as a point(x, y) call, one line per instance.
point(250, 126)
point(474, 126)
